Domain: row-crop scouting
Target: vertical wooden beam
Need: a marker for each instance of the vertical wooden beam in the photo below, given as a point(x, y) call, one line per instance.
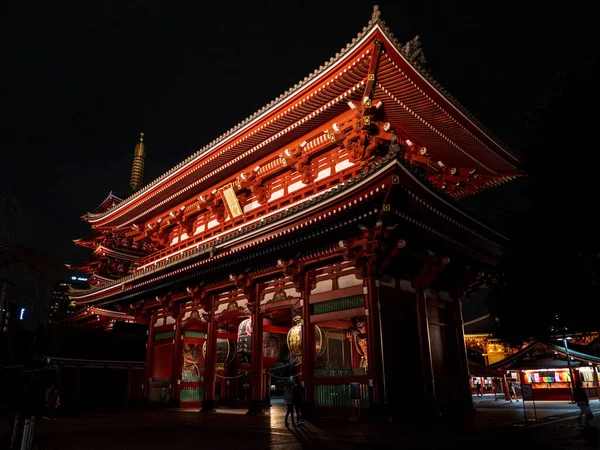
point(373, 342)
point(425, 343)
point(256, 358)
point(308, 342)
point(371, 77)
point(177, 351)
point(210, 364)
point(465, 388)
point(149, 356)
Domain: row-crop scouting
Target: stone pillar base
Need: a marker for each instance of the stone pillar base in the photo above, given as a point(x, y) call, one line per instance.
point(208, 406)
point(255, 407)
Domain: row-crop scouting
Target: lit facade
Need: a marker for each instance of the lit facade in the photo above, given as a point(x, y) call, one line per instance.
point(323, 237)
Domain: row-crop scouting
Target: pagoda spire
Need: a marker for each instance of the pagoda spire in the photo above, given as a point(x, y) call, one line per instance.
point(137, 171)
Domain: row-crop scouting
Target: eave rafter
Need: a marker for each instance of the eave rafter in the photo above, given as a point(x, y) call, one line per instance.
point(431, 96)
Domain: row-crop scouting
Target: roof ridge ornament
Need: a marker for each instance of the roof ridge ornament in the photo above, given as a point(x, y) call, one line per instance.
point(376, 13)
point(413, 51)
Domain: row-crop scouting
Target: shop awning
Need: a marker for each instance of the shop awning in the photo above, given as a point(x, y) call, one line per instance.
point(544, 355)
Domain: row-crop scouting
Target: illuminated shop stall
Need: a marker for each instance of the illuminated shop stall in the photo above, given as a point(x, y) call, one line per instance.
point(544, 366)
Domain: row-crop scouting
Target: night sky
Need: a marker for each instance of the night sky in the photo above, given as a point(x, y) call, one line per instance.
point(82, 81)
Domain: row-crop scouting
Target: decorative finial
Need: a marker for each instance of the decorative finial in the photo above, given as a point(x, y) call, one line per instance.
point(376, 13)
point(137, 171)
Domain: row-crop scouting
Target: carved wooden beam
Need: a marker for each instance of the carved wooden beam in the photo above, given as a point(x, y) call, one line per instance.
point(432, 267)
point(371, 77)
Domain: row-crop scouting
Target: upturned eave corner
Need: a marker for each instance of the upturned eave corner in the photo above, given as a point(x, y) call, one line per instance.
point(376, 29)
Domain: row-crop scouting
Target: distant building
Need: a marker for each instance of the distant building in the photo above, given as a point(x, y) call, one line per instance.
point(480, 339)
point(61, 305)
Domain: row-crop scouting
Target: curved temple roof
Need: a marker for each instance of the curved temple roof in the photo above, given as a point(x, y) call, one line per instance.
point(435, 110)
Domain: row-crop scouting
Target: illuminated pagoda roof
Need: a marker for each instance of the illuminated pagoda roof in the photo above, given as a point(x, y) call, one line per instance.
point(483, 326)
point(419, 111)
point(90, 240)
point(93, 313)
point(106, 204)
point(426, 112)
point(93, 259)
point(97, 279)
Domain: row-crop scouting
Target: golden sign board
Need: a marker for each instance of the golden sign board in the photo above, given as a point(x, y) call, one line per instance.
point(231, 200)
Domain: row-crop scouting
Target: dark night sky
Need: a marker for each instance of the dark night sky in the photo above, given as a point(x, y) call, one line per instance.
point(81, 82)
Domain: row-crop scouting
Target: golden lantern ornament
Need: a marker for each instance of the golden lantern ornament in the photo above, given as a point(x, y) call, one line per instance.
point(294, 340)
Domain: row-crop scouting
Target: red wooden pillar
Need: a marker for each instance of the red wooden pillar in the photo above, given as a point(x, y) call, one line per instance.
point(256, 352)
point(374, 371)
point(210, 363)
point(465, 388)
point(308, 345)
point(177, 353)
point(425, 343)
point(149, 356)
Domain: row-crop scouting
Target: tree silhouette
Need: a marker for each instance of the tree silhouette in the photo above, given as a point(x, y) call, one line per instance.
point(27, 277)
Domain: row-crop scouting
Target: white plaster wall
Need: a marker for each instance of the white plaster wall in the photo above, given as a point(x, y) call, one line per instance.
point(348, 281)
point(343, 165)
point(250, 206)
point(170, 320)
point(388, 282)
point(291, 292)
point(200, 229)
point(268, 298)
point(295, 186)
point(222, 307)
point(406, 285)
point(323, 174)
point(322, 286)
point(277, 194)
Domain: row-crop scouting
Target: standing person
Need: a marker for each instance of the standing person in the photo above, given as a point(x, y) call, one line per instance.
point(478, 389)
point(511, 392)
point(298, 401)
point(288, 398)
point(580, 397)
point(496, 387)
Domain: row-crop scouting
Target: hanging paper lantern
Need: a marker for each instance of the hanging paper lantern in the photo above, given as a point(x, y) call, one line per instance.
point(294, 339)
point(225, 351)
point(271, 345)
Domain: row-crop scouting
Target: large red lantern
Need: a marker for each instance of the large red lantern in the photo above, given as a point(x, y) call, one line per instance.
point(271, 345)
point(225, 351)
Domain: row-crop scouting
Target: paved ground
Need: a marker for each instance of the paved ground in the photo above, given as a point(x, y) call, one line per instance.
point(495, 425)
point(501, 412)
